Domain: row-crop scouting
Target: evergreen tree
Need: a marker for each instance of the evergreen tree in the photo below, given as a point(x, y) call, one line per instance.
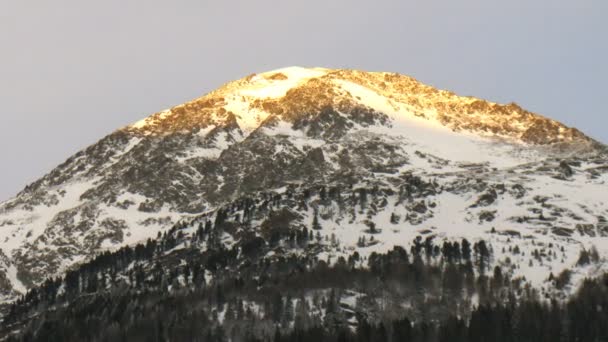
point(277, 308)
point(402, 330)
point(466, 250)
point(315, 222)
point(288, 315)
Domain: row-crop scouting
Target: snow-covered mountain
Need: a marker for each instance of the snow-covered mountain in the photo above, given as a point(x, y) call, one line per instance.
point(440, 165)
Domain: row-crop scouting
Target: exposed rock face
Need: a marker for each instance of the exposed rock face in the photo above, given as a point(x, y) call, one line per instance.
point(482, 164)
point(319, 90)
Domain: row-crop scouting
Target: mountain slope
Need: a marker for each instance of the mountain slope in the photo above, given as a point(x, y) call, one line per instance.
point(457, 167)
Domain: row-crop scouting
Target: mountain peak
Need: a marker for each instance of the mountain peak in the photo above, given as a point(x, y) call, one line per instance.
point(293, 92)
point(219, 103)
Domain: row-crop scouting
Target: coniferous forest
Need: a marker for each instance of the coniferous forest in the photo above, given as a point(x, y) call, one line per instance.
point(190, 285)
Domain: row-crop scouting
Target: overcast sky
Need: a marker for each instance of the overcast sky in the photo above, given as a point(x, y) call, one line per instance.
point(72, 71)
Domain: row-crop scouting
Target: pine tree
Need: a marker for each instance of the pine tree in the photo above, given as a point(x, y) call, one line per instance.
point(288, 315)
point(402, 330)
point(361, 241)
point(315, 222)
point(230, 311)
point(363, 198)
point(381, 334)
point(323, 194)
point(277, 307)
point(302, 318)
point(466, 250)
point(372, 227)
point(483, 255)
point(394, 218)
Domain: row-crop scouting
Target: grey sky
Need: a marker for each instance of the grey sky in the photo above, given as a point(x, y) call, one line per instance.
point(72, 71)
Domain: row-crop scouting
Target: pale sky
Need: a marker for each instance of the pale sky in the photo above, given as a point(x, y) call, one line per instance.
point(72, 71)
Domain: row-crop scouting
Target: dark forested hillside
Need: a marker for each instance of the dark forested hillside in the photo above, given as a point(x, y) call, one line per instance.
point(194, 284)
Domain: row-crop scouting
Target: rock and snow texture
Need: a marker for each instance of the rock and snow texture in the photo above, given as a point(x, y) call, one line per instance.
point(498, 172)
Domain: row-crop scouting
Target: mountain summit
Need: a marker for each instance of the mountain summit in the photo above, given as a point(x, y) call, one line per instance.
point(295, 95)
point(413, 161)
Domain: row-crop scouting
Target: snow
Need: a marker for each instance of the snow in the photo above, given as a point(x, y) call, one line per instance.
point(263, 87)
point(130, 145)
point(28, 224)
point(11, 273)
point(453, 219)
point(152, 119)
point(427, 134)
point(350, 299)
point(11, 237)
point(247, 118)
point(142, 225)
point(297, 138)
point(213, 149)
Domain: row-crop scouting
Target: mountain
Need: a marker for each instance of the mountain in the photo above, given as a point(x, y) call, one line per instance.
point(372, 160)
